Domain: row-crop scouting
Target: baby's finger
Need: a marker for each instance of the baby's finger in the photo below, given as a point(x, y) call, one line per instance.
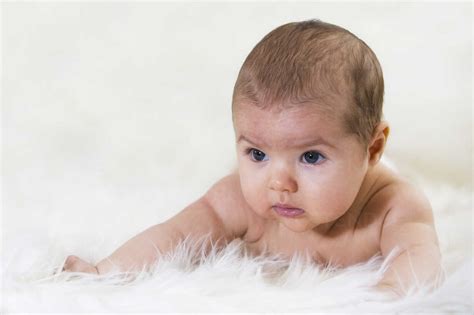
point(76, 264)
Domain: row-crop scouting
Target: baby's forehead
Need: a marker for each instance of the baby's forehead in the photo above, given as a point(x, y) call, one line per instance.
point(287, 111)
point(288, 124)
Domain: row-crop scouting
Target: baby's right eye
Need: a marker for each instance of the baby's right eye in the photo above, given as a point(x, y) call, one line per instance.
point(256, 155)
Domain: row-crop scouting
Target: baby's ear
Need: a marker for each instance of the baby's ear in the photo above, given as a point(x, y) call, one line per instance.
point(377, 144)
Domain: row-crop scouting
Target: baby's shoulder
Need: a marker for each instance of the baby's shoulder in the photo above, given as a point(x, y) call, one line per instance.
point(227, 200)
point(409, 220)
point(405, 202)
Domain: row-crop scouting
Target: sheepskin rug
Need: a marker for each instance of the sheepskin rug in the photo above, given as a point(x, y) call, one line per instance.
point(229, 280)
point(117, 115)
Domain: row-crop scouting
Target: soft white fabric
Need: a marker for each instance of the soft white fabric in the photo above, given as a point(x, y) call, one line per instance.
point(228, 281)
point(118, 115)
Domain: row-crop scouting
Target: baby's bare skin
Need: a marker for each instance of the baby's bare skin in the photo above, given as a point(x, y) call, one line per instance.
point(353, 206)
point(353, 238)
point(309, 135)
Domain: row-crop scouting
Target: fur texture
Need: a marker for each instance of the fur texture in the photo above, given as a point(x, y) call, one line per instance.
point(229, 280)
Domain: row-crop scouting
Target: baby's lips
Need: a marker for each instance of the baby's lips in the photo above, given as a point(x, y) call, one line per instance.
point(287, 206)
point(288, 212)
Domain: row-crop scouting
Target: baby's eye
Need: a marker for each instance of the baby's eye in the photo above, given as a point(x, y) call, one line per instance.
point(312, 157)
point(257, 155)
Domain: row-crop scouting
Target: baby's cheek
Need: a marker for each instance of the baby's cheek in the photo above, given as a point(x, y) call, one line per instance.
point(247, 186)
point(343, 200)
point(252, 193)
point(327, 202)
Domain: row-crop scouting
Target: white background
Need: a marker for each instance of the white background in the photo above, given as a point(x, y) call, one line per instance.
point(118, 114)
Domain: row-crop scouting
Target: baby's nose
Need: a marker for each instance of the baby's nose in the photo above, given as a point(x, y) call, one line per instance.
point(283, 182)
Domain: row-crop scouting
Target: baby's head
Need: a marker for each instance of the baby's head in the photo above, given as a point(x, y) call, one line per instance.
point(307, 110)
point(317, 63)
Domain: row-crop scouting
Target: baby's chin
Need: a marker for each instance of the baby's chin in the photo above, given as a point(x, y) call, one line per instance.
point(305, 224)
point(297, 225)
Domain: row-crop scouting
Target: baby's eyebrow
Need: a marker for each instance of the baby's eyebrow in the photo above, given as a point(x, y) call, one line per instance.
point(312, 142)
point(244, 138)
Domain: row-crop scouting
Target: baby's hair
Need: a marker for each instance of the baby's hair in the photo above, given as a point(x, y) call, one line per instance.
point(315, 62)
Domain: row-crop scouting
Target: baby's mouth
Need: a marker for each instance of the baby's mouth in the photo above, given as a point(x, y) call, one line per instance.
point(287, 211)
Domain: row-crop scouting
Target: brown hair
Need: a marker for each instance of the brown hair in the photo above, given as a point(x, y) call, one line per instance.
point(315, 62)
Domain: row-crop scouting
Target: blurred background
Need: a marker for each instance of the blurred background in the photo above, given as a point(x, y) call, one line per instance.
point(115, 116)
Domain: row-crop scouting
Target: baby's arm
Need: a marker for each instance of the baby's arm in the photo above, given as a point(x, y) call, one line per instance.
point(409, 229)
point(217, 214)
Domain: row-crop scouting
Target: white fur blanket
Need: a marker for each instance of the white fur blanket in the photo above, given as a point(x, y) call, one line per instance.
point(109, 108)
point(228, 281)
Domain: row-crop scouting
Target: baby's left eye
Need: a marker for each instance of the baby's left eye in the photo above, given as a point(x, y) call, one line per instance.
point(312, 157)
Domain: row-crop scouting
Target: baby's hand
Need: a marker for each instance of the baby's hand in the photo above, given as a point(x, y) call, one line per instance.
point(393, 292)
point(76, 264)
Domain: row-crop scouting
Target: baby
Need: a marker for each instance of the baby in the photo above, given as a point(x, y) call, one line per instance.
point(307, 115)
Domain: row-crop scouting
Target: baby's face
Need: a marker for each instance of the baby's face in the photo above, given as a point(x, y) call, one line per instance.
point(298, 158)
